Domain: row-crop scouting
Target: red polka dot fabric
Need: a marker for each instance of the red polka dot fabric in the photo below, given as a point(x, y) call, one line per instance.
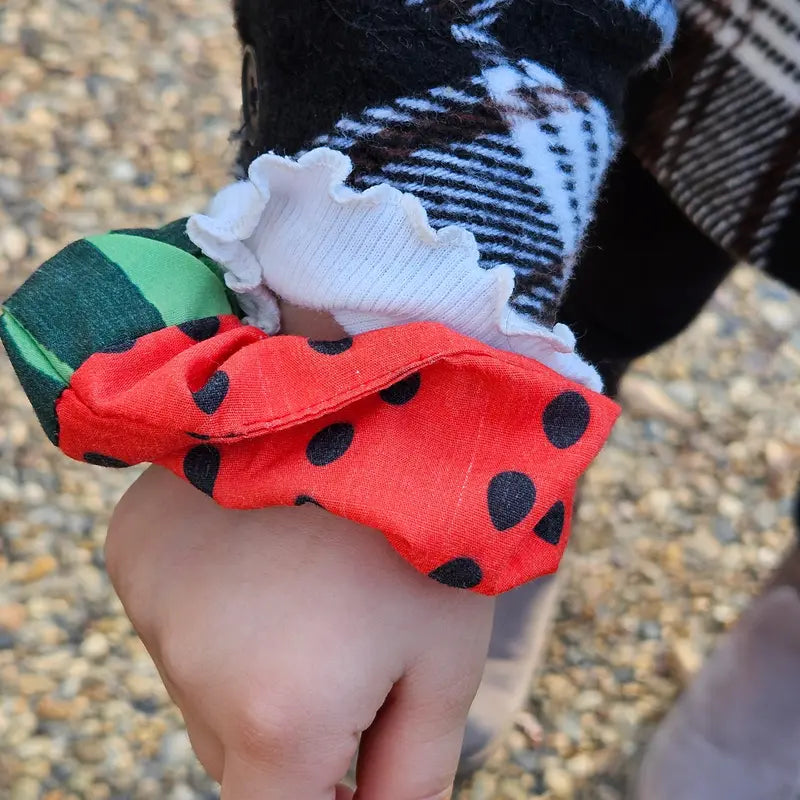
point(463, 456)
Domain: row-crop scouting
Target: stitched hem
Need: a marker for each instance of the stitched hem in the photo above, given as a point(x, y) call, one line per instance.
point(346, 396)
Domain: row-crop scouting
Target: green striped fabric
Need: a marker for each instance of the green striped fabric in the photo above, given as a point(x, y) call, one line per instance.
point(99, 292)
point(41, 379)
point(175, 234)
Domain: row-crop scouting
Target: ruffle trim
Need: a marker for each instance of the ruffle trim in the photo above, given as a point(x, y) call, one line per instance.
point(371, 259)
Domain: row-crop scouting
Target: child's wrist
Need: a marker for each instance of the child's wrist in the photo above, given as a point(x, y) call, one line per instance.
point(299, 321)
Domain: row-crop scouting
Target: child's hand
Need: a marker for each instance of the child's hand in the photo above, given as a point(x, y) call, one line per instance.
point(281, 633)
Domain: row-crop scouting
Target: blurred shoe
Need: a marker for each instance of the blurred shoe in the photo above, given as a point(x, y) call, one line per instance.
point(735, 733)
point(522, 623)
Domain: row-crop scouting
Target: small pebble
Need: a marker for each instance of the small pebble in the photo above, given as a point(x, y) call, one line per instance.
point(483, 786)
point(589, 700)
point(527, 759)
point(12, 616)
point(53, 708)
point(89, 751)
point(649, 629)
point(122, 171)
point(644, 397)
point(13, 243)
point(40, 567)
point(95, 647)
point(778, 314)
point(175, 748)
point(182, 792)
point(724, 530)
point(26, 788)
point(559, 781)
point(581, 765)
point(685, 659)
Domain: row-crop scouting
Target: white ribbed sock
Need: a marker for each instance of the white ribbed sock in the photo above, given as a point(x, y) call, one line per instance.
point(369, 258)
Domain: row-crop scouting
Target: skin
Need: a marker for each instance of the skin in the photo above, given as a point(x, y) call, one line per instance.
point(287, 635)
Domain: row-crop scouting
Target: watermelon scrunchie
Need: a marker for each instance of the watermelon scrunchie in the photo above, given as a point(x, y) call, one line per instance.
point(464, 456)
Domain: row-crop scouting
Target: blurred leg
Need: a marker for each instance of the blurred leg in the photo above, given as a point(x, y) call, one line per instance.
point(735, 732)
point(645, 274)
point(522, 622)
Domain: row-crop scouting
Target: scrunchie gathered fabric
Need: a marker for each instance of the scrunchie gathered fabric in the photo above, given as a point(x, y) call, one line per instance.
point(464, 456)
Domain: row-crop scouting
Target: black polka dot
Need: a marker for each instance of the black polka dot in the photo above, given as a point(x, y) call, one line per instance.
point(401, 392)
point(460, 573)
point(209, 397)
point(330, 443)
point(201, 467)
point(551, 525)
point(511, 497)
point(201, 329)
point(99, 460)
point(305, 499)
point(333, 348)
point(120, 347)
point(566, 419)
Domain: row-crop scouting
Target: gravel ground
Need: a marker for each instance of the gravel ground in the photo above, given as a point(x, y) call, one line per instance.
point(118, 113)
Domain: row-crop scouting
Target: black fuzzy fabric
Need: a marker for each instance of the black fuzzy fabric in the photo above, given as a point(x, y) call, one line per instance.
point(327, 59)
point(620, 310)
point(783, 259)
point(498, 115)
point(594, 47)
point(645, 274)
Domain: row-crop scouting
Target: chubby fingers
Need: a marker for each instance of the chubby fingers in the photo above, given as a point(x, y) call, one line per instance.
point(296, 741)
point(411, 750)
point(278, 756)
point(245, 780)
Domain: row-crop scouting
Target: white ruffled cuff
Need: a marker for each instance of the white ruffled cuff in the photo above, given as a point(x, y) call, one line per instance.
point(368, 258)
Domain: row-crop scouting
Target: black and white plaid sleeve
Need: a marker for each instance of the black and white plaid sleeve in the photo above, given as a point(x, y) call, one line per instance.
point(501, 116)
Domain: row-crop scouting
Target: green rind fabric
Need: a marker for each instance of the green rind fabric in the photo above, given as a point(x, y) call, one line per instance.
point(101, 291)
point(176, 283)
point(174, 233)
point(34, 352)
point(214, 267)
point(97, 293)
point(39, 378)
point(80, 302)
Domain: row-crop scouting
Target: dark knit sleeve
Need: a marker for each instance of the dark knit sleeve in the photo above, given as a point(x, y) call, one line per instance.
point(500, 116)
